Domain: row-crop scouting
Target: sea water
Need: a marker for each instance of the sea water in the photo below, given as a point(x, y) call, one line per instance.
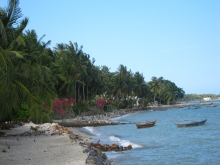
point(165, 143)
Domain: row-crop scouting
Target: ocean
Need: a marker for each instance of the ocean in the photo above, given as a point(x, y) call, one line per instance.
point(165, 143)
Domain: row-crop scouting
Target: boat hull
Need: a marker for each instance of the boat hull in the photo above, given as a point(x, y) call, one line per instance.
point(146, 125)
point(191, 124)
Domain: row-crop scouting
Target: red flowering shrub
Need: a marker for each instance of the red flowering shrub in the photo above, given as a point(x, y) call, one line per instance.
point(61, 106)
point(100, 103)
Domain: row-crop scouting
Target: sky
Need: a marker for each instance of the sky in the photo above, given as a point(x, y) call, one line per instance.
point(178, 40)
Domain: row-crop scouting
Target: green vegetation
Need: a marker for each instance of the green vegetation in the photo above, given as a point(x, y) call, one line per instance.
point(191, 97)
point(4, 150)
point(32, 76)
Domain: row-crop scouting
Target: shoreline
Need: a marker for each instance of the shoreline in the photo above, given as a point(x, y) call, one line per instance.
point(23, 147)
point(56, 149)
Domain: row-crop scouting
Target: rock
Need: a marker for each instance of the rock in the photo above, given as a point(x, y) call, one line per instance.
point(90, 159)
point(115, 146)
point(54, 133)
point(86, 150)
point(108, 162)
point(92, 153)
point(98, 160)
point(129, 147)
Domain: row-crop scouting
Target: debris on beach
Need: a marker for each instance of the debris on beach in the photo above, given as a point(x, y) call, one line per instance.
point(46, 129)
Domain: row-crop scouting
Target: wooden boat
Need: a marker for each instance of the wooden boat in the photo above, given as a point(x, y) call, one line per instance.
point(191, 123)
point(145, 125)
point(213, 105)
point(162, 109)
point(206, 104)
point(197, 106)
point(192, 107)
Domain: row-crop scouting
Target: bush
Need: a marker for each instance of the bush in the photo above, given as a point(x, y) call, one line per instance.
point(23, 114)
point(100, 102)
point(79, 107)
point(61, 106)
point(130, 103)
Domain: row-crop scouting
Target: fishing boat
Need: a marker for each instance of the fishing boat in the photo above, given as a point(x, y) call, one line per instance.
point(191, 123)
point(145, 125)
point(162, 109)
point(197, 106)
point(205, 104)
point(213, 105)
point(192, 107)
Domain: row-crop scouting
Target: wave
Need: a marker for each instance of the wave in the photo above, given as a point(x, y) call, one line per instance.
point(92, 130)
point(124, 143)
point(120, 117)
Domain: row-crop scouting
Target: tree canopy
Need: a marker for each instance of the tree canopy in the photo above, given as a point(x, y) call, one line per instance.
point(33, 76)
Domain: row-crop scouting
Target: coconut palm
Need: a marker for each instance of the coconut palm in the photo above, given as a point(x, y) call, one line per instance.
point(37, 60)
point(119, 83)
point(139, 84)
point(172, 92)
point(65, 71)
point(18, 83)
point(155, 85)
point(10, 87)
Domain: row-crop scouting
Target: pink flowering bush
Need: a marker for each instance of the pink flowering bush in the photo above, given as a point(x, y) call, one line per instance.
point(100, 102)
point(61, 106)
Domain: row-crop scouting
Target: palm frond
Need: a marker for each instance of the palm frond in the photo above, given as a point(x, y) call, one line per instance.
point(13, 13)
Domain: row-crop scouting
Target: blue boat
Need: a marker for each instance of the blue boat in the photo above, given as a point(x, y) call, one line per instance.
point(192, 107)
point(191, 123)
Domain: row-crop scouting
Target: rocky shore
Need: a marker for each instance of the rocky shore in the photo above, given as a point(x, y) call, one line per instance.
point(105, 119)
point(48, 143)
point(96, 120)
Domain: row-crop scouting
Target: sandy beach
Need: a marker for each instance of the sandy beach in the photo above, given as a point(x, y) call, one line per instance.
point(41, 149)
point(44, 149)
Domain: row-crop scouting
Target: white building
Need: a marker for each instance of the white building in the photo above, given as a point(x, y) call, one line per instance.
point(207, 98)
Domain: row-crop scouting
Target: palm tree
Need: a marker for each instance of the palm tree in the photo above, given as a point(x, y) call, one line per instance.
point(172, 92)
point(80, 66)
point(139, 84)
point(37, 61)
point(97, 84)
point(65, 71)
point(9, 41)
point(18, 83)
point(180, 93)
point(119, 81)
point(130, 83)
point(154, 85)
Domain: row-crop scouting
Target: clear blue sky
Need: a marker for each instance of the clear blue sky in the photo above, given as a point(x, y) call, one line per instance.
point(178, 40)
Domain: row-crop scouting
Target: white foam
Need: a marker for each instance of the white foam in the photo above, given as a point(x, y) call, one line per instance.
point(124, 143)
point(120, 117)
point(114, 138)
point(92, 130)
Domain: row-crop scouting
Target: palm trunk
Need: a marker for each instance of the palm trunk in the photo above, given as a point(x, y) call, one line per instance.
point(87, 92)
point(78, 94)
point(154, 97)
point(83, 92)
point(75, 93)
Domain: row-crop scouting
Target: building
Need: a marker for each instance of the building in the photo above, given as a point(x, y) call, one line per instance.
point(207, 98)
